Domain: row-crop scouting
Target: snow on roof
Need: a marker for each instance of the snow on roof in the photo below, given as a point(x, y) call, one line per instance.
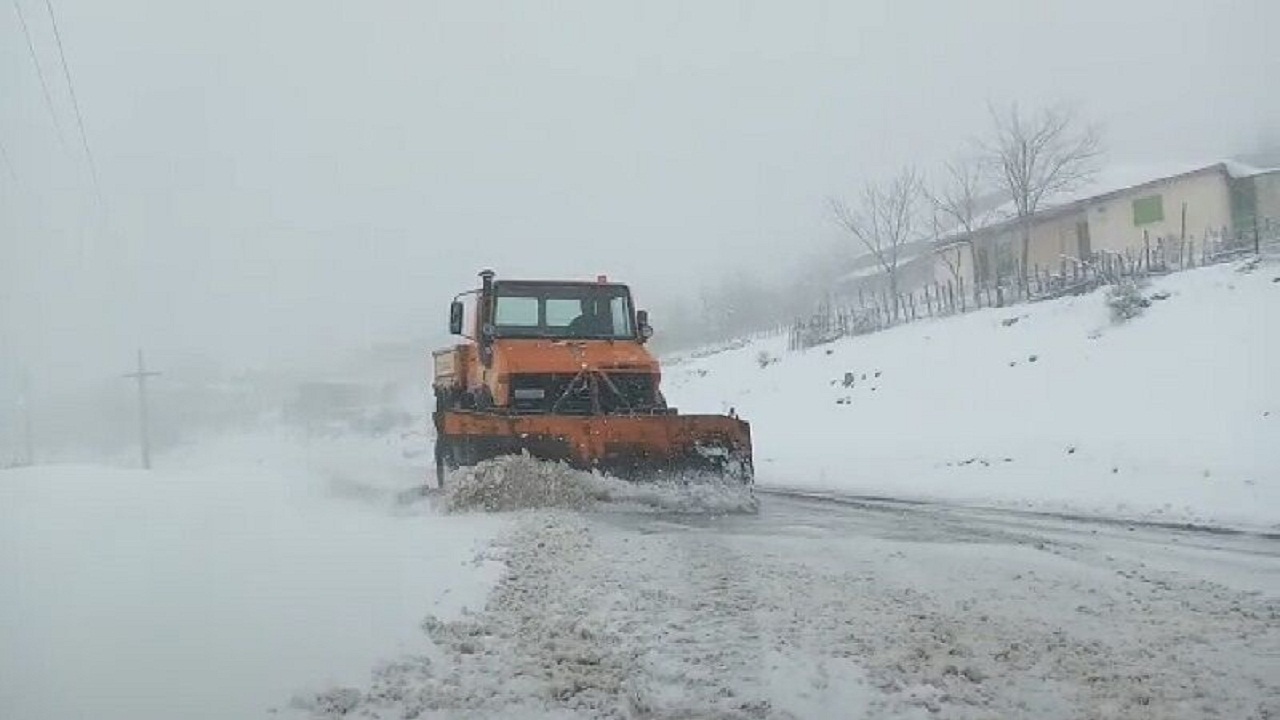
point(1237, 169)
point(866, 265)
point(1122, 177)
point(1111, 179)
point(863, 272)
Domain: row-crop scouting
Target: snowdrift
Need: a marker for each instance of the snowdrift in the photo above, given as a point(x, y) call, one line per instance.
point(1173, 415)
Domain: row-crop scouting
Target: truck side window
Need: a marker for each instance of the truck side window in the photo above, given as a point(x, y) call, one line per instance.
point(621, 317)
point(516, 311)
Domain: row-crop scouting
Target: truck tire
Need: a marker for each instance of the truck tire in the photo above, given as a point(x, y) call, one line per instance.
point(441, 450)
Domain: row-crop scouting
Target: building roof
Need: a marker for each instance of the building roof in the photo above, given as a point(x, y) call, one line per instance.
point(1110, 182)
point(866, 265)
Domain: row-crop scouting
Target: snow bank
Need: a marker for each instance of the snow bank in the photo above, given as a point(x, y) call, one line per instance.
point(222, 584)
point(1173, 415)
point(522, 482)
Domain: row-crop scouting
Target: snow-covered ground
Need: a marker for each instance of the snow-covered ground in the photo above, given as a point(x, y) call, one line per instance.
point(222, 584)
point(1173, 415)
point(812, 610)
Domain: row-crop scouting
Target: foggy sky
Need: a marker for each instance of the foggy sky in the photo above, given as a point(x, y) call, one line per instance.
point(284, 179)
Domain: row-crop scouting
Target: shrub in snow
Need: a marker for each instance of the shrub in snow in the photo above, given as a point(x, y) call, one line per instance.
point(334, 702)
point(1126, 300)
point(1249, 265)
point(764, 359)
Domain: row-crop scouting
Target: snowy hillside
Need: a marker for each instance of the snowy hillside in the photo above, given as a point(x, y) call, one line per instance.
point(1173, 415)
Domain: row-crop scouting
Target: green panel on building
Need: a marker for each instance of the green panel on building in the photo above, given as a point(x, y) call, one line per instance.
point(1148, 210)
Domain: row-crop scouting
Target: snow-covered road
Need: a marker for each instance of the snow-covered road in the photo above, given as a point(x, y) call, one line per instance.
point(218, 587)
point(844, 609)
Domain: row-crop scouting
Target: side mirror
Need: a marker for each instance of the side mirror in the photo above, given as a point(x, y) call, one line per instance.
point(455, 317)
point(643, 327)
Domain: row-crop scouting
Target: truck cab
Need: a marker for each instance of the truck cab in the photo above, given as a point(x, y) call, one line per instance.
point(549, 347)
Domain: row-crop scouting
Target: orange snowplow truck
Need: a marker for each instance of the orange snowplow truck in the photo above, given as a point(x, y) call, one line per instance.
point(560, 370)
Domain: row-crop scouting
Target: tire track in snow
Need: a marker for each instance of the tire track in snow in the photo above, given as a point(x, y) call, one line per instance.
point(655, 617)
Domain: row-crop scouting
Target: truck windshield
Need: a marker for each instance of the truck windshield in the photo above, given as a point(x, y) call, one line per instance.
point(563, 311)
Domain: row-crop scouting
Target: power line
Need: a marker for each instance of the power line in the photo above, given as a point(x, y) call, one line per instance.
point(75, 103)
point(44, 86)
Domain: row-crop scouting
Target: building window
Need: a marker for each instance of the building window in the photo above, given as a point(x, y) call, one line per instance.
point(1084, 245)
point(1147, 210)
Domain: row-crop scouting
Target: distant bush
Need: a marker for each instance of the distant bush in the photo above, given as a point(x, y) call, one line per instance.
point(1126, 301)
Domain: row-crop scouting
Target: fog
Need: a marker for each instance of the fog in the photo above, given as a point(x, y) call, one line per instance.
point(282, 184)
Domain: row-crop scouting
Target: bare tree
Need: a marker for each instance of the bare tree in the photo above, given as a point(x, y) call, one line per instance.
point(1033, 156)
point(955, 215)
point(885, 220)
point(952, 252)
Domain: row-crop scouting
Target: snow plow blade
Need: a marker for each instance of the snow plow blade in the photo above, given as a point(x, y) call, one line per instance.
point(633, 447)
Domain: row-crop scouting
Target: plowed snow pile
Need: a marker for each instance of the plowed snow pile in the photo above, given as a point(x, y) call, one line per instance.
point(523, 482)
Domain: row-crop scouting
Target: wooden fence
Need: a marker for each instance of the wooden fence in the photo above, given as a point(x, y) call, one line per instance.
point(871, 312)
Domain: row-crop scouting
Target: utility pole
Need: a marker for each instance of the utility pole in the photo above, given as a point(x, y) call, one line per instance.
point(28, 437)
point(144, 435)
point(24, 410)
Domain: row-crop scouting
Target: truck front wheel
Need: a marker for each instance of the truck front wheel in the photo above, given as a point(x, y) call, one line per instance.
point(447, 457)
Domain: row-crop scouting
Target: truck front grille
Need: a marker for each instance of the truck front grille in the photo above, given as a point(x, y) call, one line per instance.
point(543, 393)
